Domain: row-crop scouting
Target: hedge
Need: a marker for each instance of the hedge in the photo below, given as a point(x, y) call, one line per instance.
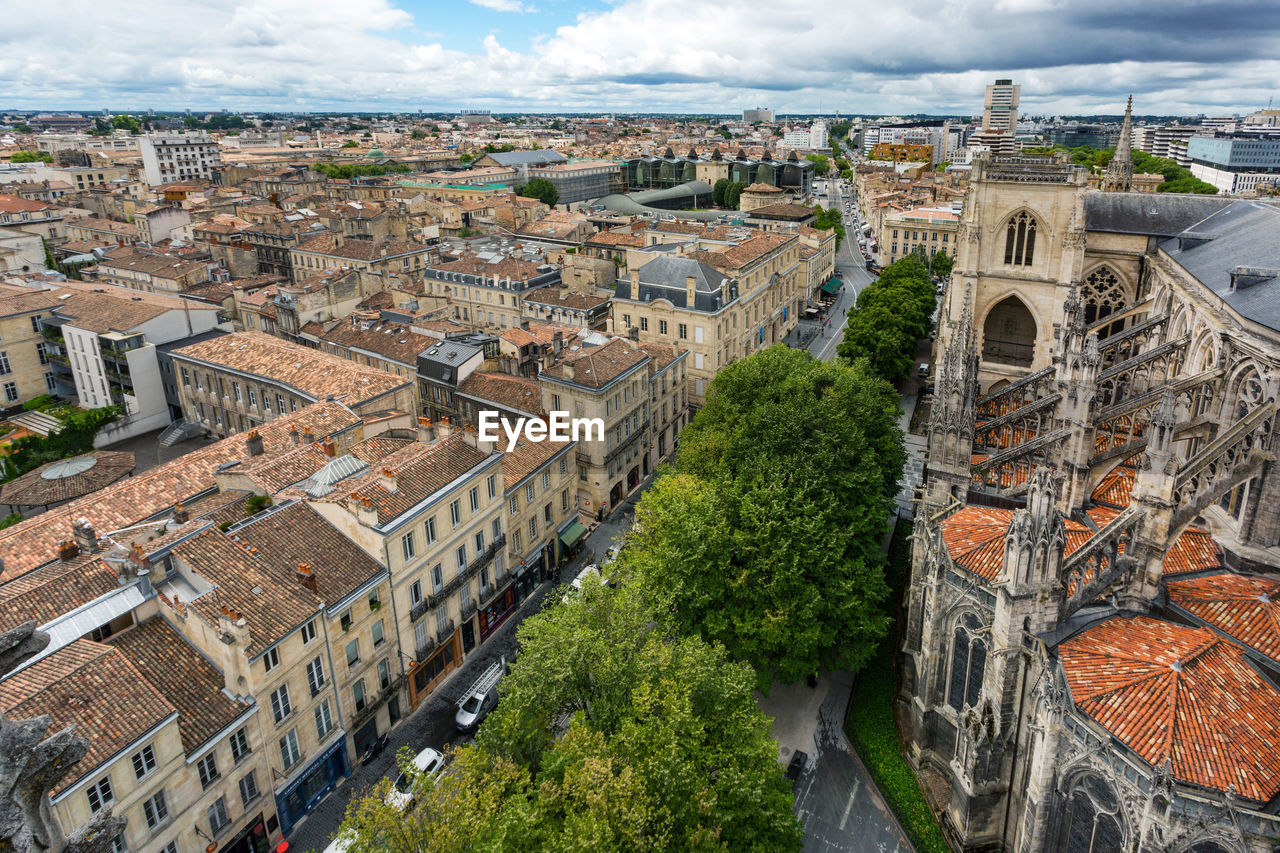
point(874, 733)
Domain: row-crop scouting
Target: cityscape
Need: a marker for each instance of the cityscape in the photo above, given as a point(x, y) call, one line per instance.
point(539, 428)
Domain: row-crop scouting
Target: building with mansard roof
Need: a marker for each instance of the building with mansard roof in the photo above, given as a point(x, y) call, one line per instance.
point(1090, 659)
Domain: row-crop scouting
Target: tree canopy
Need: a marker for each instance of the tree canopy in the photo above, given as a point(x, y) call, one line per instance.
point(821, 164)
point(613, 733)
point(830, 219)
point(31, 157)
point(347, 171)
point(765, 536)
point(893, 314)
point(541, 189)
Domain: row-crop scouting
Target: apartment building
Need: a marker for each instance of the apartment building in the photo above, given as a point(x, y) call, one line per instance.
point(327, 251)
point(668, 398)
point(609, 382)
point(442, 369)
point(541, 493)
point(35, 217)
point(236, 382)
point(171, 157)
point(567, 306)
point(487, 290)
point(933, 229)
point(150, 271)
point(106, 231)
point(817, 259)
point(727, 296)
point(102, 345)
point(367, 338)
point(26, 371)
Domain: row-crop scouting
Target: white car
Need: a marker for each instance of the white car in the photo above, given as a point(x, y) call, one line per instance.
point(427, 763)
point(576, 584)
point(340, 844)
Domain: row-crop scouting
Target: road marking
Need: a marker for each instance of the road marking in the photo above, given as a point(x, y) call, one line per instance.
point(857, 783)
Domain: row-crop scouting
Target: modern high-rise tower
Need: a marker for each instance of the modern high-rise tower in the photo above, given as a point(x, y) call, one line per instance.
point(1000, 107)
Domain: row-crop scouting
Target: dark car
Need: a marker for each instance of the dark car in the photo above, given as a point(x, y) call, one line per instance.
point(799, 761)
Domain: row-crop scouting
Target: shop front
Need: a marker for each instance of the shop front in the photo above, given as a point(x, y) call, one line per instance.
point(497, 611)
point(251, 839)
point(426, 676)
point(569, 536)
point(296, 799)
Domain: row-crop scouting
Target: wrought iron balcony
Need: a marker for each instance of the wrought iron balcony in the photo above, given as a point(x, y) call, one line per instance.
point(415, 613)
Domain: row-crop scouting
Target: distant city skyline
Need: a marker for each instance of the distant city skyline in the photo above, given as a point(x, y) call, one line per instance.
point(1178, 57)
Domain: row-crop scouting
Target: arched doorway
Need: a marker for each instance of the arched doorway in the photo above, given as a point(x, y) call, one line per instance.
point(1009, 334)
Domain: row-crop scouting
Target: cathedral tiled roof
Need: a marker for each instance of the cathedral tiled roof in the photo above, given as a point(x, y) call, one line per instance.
point(1181, 696)
point(1116, 488)
point(974, 537)
point(1194, 551)
point(1246, 608)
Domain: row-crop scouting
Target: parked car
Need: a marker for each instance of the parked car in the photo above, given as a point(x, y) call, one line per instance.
point(796, 767)
point(473, 709)
point(923, 371)
point(341, 843)
point(427, 763)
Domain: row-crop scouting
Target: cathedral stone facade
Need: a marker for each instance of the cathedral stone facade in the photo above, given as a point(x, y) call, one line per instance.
point(1092, 649)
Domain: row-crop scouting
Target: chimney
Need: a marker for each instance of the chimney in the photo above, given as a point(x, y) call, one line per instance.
point(366, 514)
point(635, 284)
point(557, 343)
point(690, 289)
point(444, 429)
point(85, 537)
point(234, 627)
point(306, 577)
point(570, 372)
point(330, 449)
point(387, 479)
point(633, 333)
point(180, 514)
point(337, 238)
point(425, 434)
point(293, 434)
point(306, 435)
point(253, 442)
point(68, 550)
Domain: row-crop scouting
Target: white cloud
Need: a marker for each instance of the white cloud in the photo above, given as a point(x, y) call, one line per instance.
point(645, 55)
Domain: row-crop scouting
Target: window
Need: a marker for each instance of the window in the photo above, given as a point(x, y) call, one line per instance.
point(384, 674)
point(684, 331)
point(564, 465)
point(144, 761)
point(235, 387)
point(280, 707)
point(431, 530)
point(345, 619)
point(315, 676)
point(546, 480)
point(1091, 823)
point(528, 493)
point(515, 538)
point(533, 529)
point(357, 693)
point(156, 810)
point(42, 352)
point(497, 529)
point(415, 593)
point(248, 789)
point(308, 632)
point(968, 663)
point(455, 513)
point(100, 794)
point(171, 847)
point(546, 513)
point(324, 720)
point(564, 501)
point(289, 749)
point(407, 548)
point(1020, 240)
point(437, 577)
point(353, 652)
point(515, 504)
point(378, 634)
point(253, 395)
point(50, 384)
point(473, 498)
point(493, 486)
point(662, 327)
point(207, 767)
point(280, 404)
point(218, 819)
point(10, 392)
point(5, 369)
point(239, 745)
point(271, 659)
point(442, 620)
point(461, 555)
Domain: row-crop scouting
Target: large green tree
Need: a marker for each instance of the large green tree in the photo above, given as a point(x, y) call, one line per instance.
point(766, 536)
point(541, 189)
point(717, 191)
point(893, 313)
point(821, 164)
point(614, 733)
point(733, 194)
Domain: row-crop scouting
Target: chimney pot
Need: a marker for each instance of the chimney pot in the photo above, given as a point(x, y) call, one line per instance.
point(293, 434)
point(330, 449)
point(180, 514)
point(68, 550)
point(253, 442)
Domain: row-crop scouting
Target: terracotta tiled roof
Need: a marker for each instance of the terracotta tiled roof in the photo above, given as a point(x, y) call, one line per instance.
point(392, 341)
point(94, 688)
point(93, 223)
point(562, 297)
point(15, 204)
point(32, 543)
point(613, 238)
point(272, 605)
point(1246, 608)
point(274, 473)
point(54, 590)
point(509, 392)
point(596, 367)
point(40, 487)
point(354, 248)
point(1194, 551)
point(974, 537)
point(116, 309)
point(313, 373)
point(420, 470)
point(298, 534)
point(660, 355)
point(508, 267)
point(747, 252)
point(526, 458)
point(184, 677)
point(26, 301)
point(1116, 488)
point(1180, 695)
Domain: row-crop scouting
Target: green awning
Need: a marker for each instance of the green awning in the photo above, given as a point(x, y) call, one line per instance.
point(832, 286)
point(571, 534)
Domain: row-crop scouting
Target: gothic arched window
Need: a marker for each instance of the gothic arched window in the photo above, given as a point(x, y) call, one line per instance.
point(968, 663)
point(1020, 240)
point(1101, 295)
point(1092, 825)
point(1009, 333)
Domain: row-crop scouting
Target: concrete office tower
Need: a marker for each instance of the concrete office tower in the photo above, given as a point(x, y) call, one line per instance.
point(1000, 107)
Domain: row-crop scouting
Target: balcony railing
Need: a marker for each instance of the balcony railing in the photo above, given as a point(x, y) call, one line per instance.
point(473, 568)
point(415, 613)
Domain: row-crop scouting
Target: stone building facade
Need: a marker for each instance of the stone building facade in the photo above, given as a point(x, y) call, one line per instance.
point(1096, 541)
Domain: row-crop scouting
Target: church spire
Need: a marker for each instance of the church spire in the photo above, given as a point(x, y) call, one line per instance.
point(1119, 175)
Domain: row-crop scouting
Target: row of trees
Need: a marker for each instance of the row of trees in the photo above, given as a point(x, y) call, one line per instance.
point(893, 314)
point(1177, 178)
point(347, 171)
point(629, 722)
point(727, 194)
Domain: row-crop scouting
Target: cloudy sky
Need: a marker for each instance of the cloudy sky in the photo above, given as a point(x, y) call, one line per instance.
point(856, 56)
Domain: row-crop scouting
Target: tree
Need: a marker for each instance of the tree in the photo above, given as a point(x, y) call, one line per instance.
point(830, 220)
point(466, 159)
point(723, 130)
point(128, 123)
point(765, 537)
point(72, 438)
point(821, 164)
point(418, 133)
point(541, 189)
point(23, 128)
point(613, 733)
point(941, 264)
point(351, 143)
point(733, 194)
point(893, 313)
point(717, 192)
point(31, 157)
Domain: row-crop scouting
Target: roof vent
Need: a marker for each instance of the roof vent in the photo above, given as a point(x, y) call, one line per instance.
point(1191, 239)
point(1246, 277)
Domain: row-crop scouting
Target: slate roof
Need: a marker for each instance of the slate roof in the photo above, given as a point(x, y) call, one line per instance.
point(298, 534)
point(1244, 234)
point(664, 278)
point(310, 372)
point(93, 687)
point(184, 677)
point(1159, 214)
point(1181, 695)
point(541, 157)
point(33, 542)
point(1244, 607)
